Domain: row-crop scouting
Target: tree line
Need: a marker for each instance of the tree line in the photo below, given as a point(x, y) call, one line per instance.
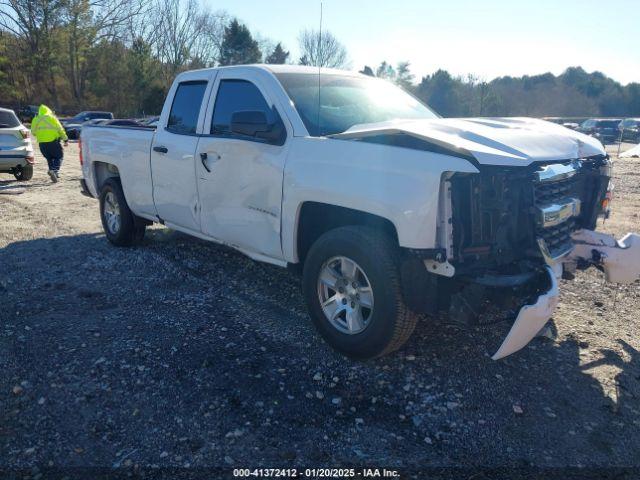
point(122, 55)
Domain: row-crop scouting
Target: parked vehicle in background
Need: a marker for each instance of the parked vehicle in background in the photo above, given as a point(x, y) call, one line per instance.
point(570, 122)
point(630, 130)
point(16, 149)
point(604, 129)
point(73, 132)
point(73, 125)
point(26, 114)
point(97, 121)
point(119, 122)
point(388, 210)
point(151, 121)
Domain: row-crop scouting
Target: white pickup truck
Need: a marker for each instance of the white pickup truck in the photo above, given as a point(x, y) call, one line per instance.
point(390, 211)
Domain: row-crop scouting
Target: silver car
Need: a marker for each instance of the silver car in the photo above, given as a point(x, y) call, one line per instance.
point(16, 150)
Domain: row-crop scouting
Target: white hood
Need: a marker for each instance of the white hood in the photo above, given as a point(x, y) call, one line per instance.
point(491, 141)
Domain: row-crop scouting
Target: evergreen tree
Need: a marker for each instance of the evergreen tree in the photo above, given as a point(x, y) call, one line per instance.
point(238, 46)
point(278, 56)
point(404, 77)
point(385, 70)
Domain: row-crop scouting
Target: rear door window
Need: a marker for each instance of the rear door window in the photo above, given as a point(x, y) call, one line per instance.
point(183, 117)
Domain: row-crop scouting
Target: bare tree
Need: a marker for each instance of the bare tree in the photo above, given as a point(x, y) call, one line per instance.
point(186, 33)
point(321, 49)
point(87, 23)
point(265, 44)
point(209, 42)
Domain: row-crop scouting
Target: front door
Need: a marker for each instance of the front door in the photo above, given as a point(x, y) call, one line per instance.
point(239, 177)
point(175, 192)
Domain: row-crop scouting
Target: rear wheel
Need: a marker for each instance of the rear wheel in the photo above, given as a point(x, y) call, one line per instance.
point(351, 284)
point(23, 172)
point(121, 226)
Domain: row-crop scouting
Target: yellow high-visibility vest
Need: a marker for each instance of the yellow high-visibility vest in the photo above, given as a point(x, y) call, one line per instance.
point(46, 127)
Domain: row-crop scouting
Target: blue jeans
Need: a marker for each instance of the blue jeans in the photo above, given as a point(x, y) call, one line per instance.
point(53, 152)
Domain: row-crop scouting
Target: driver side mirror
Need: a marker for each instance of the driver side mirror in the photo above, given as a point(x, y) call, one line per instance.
point(254, 124)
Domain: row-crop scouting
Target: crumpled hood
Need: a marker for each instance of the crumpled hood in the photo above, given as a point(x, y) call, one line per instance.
point(491, 141)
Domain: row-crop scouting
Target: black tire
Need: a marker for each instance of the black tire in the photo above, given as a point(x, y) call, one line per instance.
point(391, 322)
point(23, 173)
point(131, 229)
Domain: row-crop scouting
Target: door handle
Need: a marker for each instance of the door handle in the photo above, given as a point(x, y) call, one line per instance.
point(203, 159)
point(160, 149)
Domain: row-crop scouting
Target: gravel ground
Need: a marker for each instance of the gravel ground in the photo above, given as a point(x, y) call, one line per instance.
point(182, 356)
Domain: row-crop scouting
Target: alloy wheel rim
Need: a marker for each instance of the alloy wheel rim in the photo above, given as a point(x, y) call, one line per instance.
point(112, 213)
point(345, 295)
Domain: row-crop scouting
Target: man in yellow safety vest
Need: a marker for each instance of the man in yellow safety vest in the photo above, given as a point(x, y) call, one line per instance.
point(48, 131)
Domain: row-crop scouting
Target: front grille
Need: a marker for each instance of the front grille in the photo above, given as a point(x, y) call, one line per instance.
point(500, 216)
point(558, 238)
point(549, 192)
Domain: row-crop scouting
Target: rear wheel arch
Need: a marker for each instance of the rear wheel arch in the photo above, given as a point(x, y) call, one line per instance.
point(103, 171)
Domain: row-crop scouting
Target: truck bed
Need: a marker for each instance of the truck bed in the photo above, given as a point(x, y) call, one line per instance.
point(129, 150)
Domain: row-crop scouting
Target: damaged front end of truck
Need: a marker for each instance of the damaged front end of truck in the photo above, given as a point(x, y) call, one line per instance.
point(513, 232)
point(509, 231)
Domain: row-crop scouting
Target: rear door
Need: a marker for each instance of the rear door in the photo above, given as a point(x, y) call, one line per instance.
point(175, 191)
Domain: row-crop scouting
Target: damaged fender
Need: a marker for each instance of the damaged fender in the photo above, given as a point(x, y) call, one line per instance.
point(530, 320)
point(620, 259)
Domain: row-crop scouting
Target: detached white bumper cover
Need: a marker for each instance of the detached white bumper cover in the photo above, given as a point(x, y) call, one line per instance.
point(620, 259)
point(530, 320)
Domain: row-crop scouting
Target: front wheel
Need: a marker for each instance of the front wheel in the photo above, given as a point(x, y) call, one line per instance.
point(351, 284)
point(121, 226)
point(23, 173)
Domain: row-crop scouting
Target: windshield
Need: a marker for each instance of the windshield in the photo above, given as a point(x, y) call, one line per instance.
point(8, 119)
point(346, 101)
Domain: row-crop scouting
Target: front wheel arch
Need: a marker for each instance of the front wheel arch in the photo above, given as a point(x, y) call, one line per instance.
point(315, 219)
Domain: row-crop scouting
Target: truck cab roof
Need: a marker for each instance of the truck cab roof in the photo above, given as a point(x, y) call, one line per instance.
point(271, 68)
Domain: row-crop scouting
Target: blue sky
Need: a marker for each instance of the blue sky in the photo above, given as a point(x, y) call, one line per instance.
point(487, 38)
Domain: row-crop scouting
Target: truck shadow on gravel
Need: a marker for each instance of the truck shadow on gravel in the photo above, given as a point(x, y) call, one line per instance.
point(187, 353)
